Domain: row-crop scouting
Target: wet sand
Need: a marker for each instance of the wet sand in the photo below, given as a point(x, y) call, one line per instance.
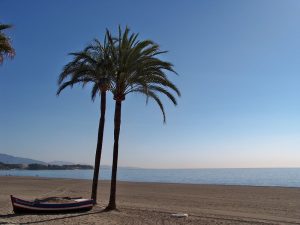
point(153, 203)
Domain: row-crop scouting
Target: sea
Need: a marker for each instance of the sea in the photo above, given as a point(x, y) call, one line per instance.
point(285, 177)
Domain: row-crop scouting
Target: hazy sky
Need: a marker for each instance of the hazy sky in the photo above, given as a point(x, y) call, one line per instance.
point(239, 73)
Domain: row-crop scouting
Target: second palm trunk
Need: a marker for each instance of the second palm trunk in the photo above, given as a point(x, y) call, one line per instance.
point(117, 121)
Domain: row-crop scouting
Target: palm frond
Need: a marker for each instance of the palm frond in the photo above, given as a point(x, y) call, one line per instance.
point(6, 49)
point(94, 91)
point(152, 95)
point(71, 83)
point(5, 26)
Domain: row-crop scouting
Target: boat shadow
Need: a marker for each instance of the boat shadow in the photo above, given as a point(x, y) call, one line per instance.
point(60, 216)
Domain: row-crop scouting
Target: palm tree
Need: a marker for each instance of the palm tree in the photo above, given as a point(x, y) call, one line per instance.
point(137, 69)
point(6, 50)
point(91, 66)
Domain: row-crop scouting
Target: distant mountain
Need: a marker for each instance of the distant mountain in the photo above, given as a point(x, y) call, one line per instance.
point(4, 166)
point(60, 163)
point(8, 159)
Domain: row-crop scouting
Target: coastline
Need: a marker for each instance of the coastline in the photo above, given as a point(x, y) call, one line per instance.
point(149, 182)
point(288, 177)
point(152, 203)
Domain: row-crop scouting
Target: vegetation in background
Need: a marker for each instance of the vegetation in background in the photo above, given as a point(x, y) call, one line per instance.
point(6, 49)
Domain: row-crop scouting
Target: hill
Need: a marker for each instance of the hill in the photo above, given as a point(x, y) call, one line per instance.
point(9, 159)
point(61, 163)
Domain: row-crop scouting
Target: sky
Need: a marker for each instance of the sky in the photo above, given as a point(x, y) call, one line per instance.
point(239, 74)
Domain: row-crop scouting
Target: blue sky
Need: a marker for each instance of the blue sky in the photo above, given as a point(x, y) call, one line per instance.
point(239, 74)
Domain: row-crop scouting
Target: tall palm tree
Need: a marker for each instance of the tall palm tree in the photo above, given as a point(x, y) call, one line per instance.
point(6, 50)
point(91, 66)
point(137, 70)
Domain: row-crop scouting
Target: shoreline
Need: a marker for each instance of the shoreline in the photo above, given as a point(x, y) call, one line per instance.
point(152, 182)
point(153, 203)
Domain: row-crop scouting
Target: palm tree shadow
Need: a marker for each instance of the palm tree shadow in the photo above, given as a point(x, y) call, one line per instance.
point(11, 215)
point(7, 216)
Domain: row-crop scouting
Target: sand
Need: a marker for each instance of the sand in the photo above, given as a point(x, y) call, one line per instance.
point(153, 203)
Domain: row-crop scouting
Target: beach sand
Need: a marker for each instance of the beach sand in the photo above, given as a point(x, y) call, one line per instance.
point(153, 203)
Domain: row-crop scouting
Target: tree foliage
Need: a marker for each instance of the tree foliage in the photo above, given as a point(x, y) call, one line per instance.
point(138, 69)
point(6, 49)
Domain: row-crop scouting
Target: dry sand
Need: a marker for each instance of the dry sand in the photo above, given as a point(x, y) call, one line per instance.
point(153, 203)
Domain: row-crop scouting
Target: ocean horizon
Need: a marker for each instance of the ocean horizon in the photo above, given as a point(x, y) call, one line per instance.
point(284, 177)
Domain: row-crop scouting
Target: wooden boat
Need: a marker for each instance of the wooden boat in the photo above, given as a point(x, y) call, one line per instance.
point(51, 205)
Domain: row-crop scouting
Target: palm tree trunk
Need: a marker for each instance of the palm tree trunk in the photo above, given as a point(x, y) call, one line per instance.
point(99, 147)
point(112, 198)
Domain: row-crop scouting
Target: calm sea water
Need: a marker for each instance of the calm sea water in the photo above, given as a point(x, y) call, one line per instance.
point(289, 177)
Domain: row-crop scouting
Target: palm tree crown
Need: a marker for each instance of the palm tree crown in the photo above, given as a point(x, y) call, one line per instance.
point(91, 65)
point(6, 50)
point(138, 69)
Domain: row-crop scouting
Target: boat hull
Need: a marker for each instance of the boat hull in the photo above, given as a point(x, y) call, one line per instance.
point(23, 206)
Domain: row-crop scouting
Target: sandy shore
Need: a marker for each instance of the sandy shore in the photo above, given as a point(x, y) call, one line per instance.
point(153, 203)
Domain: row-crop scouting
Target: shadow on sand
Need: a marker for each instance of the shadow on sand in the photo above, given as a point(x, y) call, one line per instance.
point(61, 217)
